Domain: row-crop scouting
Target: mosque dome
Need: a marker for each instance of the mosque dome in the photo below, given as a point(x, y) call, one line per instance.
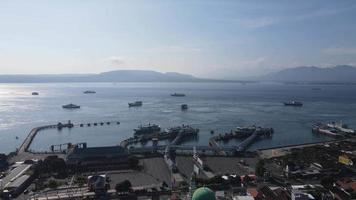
point(203, 193)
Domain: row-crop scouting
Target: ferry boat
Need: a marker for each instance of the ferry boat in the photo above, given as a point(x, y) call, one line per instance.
point(186, 129)
point(35, 93)
point(331, 132)
point(70, 106)
point(184, 107)
point(243, 131)
point(341, 127)
point(326, 130)
point(178, 95)
point(293, 103)
point(89, 92)
point(147, 129)
point(135, 104)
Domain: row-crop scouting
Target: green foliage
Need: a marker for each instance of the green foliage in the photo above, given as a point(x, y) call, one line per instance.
point(53, 165)
point(133, 162)
point(124, 186)
point(80, 180)
point(260, 168)
point(53, 184)
point(327, 182)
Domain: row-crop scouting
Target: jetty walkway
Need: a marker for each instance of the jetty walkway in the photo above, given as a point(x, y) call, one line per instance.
point(27, 142)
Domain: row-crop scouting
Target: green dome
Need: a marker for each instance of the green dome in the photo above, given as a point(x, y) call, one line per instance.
point(203, 193)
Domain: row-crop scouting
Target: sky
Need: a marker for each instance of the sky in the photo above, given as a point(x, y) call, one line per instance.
point(211, 39)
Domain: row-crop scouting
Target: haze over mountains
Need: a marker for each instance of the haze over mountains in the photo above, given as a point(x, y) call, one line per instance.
point(337, 74)
point(112, 76)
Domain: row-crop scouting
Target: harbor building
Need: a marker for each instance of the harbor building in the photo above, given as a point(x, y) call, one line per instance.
point(17, 179)
point(97, 157)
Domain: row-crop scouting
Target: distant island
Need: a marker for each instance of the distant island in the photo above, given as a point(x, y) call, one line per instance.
point(341, 74)
point(111, 76)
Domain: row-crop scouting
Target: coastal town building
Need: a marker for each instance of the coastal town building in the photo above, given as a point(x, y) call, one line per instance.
point(97, 157)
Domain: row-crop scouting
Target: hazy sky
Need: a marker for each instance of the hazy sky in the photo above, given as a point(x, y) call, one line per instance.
point(223, 39)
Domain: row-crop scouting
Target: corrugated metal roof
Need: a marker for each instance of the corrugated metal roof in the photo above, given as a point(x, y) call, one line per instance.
point(18, 182)
point(100, 150)
point(16, 172)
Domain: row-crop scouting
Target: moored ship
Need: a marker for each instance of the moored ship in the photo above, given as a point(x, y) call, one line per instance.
point(321, 129)
point(70, 106)
point(333, 129)
point(147, 129)
point(341, 127)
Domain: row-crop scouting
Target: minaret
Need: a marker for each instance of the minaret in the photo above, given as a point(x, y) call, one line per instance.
point(192, 186)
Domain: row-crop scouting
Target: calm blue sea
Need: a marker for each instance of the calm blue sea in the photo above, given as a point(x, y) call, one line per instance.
point(212, 106)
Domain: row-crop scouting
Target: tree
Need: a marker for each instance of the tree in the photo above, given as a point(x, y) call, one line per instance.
point(123, 186)
point(80, 180)
point(247, 179)
point(133, 162)
point(260, 168)
point(327, 182)
point(52, 184)
point(53, 164)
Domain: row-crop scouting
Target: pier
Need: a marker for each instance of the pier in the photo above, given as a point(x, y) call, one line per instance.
point(255, 135)
point(28, 140)
point(213, 147)
point(23, 152)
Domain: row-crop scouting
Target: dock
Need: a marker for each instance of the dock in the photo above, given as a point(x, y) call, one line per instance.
point(28, 140)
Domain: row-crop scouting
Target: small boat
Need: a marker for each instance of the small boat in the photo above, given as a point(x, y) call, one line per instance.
point(293, 103)
point(35, 93)
point(135, 104)
point(178, 95)
point(70, 106)
point(184, 107)
point(89, 92)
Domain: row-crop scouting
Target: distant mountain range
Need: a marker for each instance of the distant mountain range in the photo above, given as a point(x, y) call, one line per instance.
point(337, 74)
point(112, 76)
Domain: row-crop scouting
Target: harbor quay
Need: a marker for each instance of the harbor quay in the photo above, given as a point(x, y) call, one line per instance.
point(176, 170)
